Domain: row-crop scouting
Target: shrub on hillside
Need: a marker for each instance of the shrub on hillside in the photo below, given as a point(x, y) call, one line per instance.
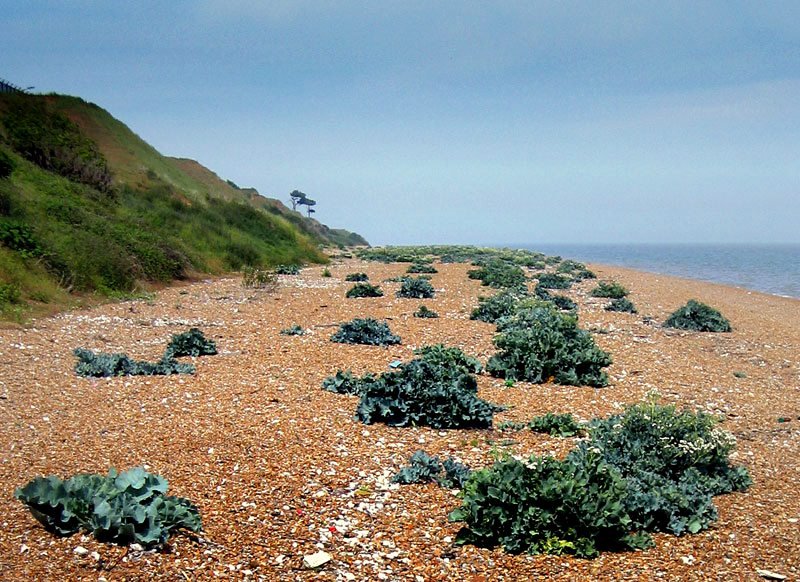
point(696, 316)
point(9, 293)
point(366, 331)
point(120, 508)
point(609, 289)
point(357, 277)
point(540, 344)
point(425, 313)
point(416, 288)
point(364, 290)
point(435, 389)
point(622, 305)
point(6, 165)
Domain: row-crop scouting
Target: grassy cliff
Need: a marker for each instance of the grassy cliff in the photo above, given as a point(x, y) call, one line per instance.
point(88, 206)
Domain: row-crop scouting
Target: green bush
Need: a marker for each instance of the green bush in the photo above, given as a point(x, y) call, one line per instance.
point(190, 343)
point(425, 313)
point(540, 344)
point(294, 330)
point(346, 383)
point(6, 165)
point(416, 288)
point(562, 425)
point(92, 365)
point(326, 273)
point(609, 289)
point(674, 463)
point(287, 269)
point(649, 469)
point(421, 268)
point(622, 305)
point(423, 468)
point(553, 281)
point(364, 290)
point(9, 293)
point(19, 237)
point(548, 506)
point(449, 358)
point(120, 508)
point(696, 316)
point(502, 304)
point(357, 277)
point(435, 389)
point(499, 274)
point(562, 302)
point(365, 331)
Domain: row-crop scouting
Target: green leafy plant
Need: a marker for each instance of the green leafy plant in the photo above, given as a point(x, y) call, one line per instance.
point(326, 273)
point(739, 375)
point(421, 268)
point(423, 468)
point(347, 383)
point(416, 288)
point(562, 302)
point(554, 281)
point(120, 508)
point(9, 293)
point(435, 389)
point(545, 505)
point(562, 425)
point(650, 469)
point(609, 289)
point(6, 165)
point(294, 330)
point(499, 274)
point(287, 269)
point(622, 305)
point(425, 313)
point(357, 277)
point(449, 358)
point(190, 343)
point(253, 278)
point(696, 316)
point(366, 331)
point(364, 290)
point(540, 344)
point(93, 365)
point(501, 304)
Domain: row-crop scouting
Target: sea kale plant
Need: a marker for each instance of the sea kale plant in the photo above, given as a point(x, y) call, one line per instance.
point(554, 281)
point(416, 288)
point(347, 383)
point(421, 268)
point(499, 274)
point(622, 305)
point(120, 508)
point(609, 289)
point(365, 331)
point(425, 313)
point(501, 304)
point(651, 469)
point(364, 290)
point(357, 277)
point(436, 389)
point(190, 343)
point(287, 269)
point(696, 316)
point(562, 302)
point(540, 344)
point(423, 468)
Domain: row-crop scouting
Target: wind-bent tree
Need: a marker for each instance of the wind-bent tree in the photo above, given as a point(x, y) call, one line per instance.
point(297, 198)
point(309, 203)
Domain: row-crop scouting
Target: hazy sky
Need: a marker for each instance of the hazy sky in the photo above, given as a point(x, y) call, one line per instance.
point(473, 122)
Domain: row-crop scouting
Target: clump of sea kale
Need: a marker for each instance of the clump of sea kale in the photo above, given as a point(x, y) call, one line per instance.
point(365, 331)
point(191, 343)
point(421, 268)
point(540, 344)
point(364, 290)
point(416, 288)
point(423, 468)
point(622, 305)
point(357, 277)
point(425, 313)
point(435, 389)
point(696, 316)
point(609, 289)
point(554, 281)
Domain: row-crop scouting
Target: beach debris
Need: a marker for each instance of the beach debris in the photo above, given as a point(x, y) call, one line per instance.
point(770, 575)
point(314, 561)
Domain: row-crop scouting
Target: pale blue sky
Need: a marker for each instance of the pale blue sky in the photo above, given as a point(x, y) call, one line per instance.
point(473, 122)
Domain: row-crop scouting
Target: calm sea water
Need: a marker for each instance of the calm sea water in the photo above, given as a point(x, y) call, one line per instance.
point(772, 269)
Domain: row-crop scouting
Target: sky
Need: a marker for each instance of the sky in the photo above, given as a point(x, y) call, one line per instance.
point(417, 122)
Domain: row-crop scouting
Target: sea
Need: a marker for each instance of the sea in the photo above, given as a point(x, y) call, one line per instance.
point(773, 269)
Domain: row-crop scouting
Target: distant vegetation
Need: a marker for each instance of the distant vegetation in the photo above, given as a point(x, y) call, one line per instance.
point(87, 206)
point(696, 316)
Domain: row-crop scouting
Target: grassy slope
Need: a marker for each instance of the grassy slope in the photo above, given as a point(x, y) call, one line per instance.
point(158, 223)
